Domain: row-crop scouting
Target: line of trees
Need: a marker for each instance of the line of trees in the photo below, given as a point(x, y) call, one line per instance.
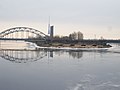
point(72, 36)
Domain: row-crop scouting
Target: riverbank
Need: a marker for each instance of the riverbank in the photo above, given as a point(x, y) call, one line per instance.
point(59, 46)
point(77, 45)
point(57, 49)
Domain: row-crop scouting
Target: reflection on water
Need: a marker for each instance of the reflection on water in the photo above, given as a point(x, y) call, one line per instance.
point(76, 54)
point(24, 56)
point(60, 69)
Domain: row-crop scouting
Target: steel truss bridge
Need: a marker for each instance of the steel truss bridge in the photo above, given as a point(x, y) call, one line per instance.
point(23, 33)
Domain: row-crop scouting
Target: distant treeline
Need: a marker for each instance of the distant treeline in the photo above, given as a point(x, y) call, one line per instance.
point(84, 41)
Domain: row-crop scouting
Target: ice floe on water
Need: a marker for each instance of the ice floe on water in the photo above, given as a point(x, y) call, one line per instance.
point(115, 48)
point(90, 86)
point(92, 82)
point(31, 46)
point(107, 86)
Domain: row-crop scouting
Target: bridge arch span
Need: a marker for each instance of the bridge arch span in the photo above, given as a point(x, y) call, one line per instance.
point(23, 29)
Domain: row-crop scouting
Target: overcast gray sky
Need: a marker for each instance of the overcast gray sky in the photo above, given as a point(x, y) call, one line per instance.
point(92, 17)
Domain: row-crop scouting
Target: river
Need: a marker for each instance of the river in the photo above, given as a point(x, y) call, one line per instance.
point(58, 69)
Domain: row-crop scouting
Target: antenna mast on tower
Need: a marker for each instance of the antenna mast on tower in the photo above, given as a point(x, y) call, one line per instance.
point(50, 29)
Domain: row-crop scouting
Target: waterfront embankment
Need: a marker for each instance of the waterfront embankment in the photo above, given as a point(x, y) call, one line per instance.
point(74, 44)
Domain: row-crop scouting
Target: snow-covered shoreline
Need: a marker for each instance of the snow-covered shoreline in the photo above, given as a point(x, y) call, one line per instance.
point(33, 47)
point(73, 49)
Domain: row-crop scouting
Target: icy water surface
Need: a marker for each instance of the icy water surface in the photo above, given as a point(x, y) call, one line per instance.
point(60, 70)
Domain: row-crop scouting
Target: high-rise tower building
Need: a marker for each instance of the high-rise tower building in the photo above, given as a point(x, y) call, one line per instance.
point(51, 31)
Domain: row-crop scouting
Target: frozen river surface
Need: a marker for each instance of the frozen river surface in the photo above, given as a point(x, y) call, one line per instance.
point(60, 70)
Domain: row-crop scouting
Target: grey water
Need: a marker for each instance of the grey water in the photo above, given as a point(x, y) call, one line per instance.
point(59, 69)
